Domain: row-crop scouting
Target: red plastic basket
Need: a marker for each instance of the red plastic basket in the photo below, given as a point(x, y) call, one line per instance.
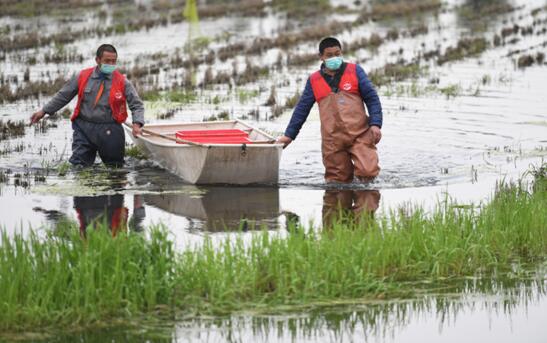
point(226, 136)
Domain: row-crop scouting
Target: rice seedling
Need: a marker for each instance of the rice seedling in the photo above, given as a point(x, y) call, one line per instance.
point(292, 100)
point(478, 10)
point(525, 61)
point(244, 95)
point(69, 281)
point(135, 152)
point(466, 47)
point(393, 72)
point(63, 168)
point(383, 10)
point(178, 96)
point(4, 176)
point(11, 129)
point(451, 90)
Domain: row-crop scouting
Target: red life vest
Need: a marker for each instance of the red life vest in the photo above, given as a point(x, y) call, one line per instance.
point(116, 98)
point(348, 83)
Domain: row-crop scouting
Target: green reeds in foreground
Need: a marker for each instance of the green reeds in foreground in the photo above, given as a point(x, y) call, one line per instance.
point(60, 281)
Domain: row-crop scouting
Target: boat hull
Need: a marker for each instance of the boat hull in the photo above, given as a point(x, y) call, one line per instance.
point(238, 164)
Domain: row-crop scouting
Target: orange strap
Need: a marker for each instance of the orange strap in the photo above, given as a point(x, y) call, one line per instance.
point(99, 93)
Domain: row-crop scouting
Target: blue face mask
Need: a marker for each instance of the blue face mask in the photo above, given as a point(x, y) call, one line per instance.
point(108, 68)
point(334, 63)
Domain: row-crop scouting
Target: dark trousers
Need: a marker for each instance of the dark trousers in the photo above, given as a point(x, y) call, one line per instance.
point(88, 138)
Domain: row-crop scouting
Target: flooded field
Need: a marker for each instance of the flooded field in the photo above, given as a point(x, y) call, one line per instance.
point(462, 88)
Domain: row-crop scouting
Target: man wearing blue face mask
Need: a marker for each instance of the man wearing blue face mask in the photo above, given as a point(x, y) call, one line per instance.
point(100, 110)
point(349, 135)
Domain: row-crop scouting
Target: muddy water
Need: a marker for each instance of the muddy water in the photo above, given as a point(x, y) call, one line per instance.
point(492, 125)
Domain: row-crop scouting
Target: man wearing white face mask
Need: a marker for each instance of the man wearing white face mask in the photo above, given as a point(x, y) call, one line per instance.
point(349, 135)
point(100, 110)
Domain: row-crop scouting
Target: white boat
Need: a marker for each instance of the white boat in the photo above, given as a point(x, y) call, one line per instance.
point(256, 162)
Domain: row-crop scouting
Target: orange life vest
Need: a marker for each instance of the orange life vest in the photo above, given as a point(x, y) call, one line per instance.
point(116, 98)
point(348, 83)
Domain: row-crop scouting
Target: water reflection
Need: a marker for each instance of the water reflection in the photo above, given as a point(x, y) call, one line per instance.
point(110, 210)
point(222, 208)
point(349, 205)
point(501, 310)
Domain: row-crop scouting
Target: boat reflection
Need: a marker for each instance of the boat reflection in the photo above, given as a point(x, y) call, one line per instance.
point(222, 208)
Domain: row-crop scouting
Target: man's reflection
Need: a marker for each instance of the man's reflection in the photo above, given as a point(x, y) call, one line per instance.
point(109, 210)
point(349, 205)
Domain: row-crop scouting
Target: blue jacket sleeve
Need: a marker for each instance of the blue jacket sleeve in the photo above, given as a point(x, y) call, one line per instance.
point(301, 111)
point(370, 97)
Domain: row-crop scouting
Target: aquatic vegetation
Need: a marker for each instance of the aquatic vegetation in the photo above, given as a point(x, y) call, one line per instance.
point(508, 31)
point(36, 7)
point(302, 9)
point(224, 115)
point(175, 95)
point(382, 9)
point(135, 152)
point(272, 98)
point(144, 74)
point(166, 114)
point(70, 281)
point(32, 89)
point(63, 168)
point(292, 100)
point(245, 95)
point(450, 91)
point(393, 72)
point(477, 10)
point(11, 129)
point(4, 176)
point(529, 60)
point(22, 180)
point(466, 47)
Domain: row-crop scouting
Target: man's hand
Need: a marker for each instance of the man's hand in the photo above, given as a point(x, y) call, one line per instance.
point(376, 134)
point(37, 116)
point(137, 129)
point(284, 140)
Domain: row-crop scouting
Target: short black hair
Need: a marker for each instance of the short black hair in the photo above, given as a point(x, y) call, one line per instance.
point(328, 42)
point(105, 47)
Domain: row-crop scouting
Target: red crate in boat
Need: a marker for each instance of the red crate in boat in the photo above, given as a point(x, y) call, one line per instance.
point(227, 136)
point(212, 133)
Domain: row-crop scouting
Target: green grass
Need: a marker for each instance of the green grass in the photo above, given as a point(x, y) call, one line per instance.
point(63, 280)
point(63, 168)
point(245, 95)
point(135, 152)
point(451, 91)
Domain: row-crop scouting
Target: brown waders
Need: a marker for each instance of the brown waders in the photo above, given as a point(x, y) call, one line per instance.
point(341, 205)
point(347, 145)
